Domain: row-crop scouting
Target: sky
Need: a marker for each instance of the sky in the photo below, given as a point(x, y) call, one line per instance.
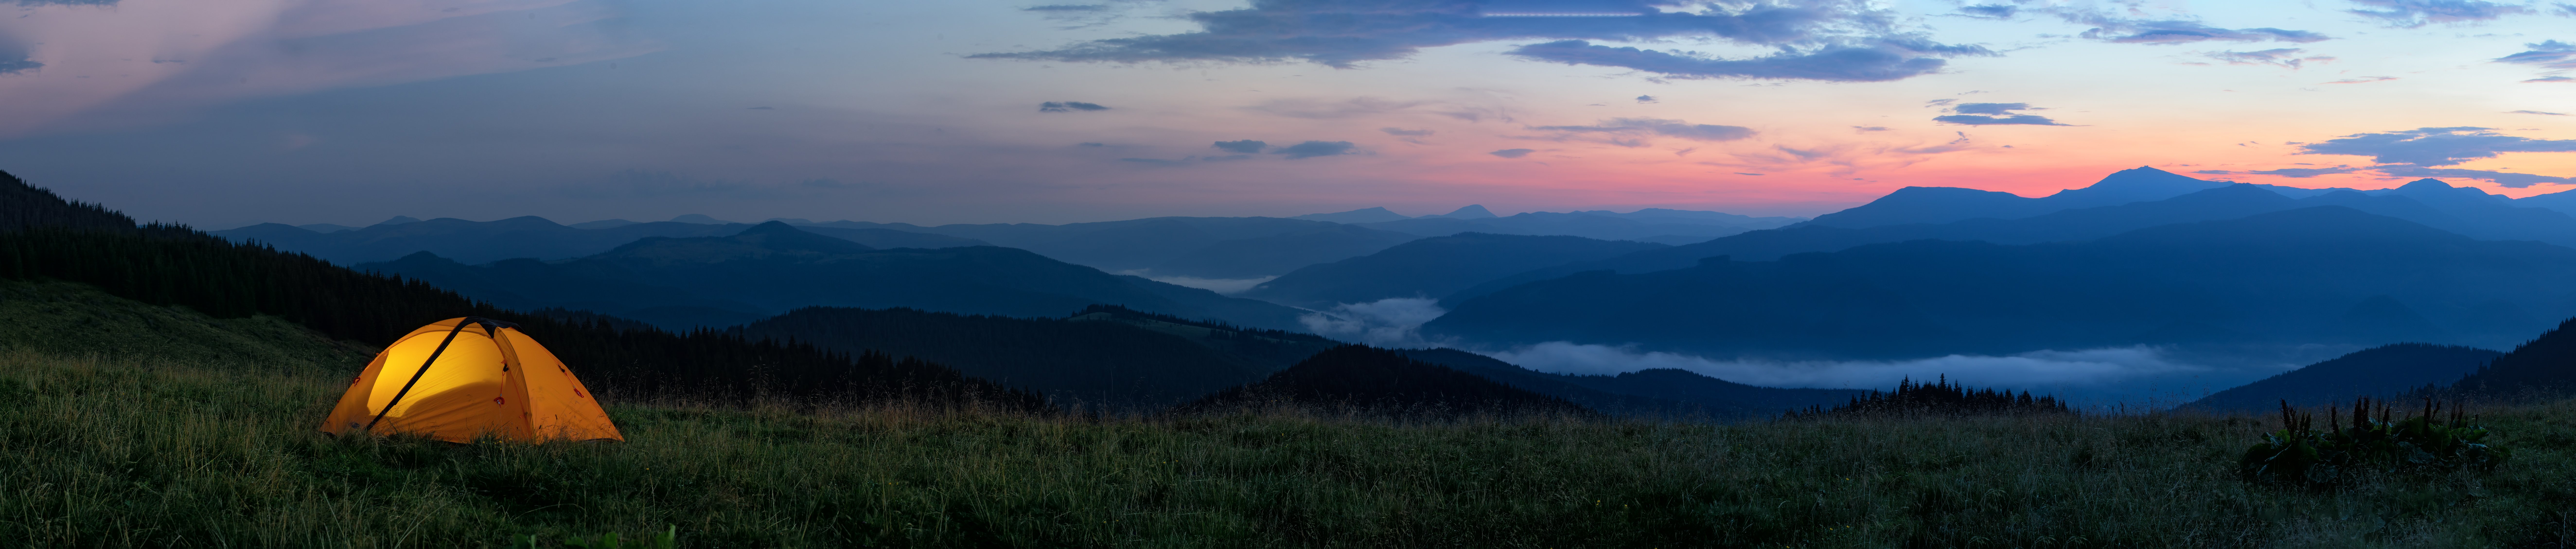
point(221, 113)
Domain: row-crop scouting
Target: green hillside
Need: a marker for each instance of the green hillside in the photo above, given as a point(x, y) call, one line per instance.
point(63, 318)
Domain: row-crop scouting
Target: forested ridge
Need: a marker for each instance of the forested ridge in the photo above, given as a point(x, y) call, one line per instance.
point(175, 265)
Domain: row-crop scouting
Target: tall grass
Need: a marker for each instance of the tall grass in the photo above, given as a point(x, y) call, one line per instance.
point(110, 453)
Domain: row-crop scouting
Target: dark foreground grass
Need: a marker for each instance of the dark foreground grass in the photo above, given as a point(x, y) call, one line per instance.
point(113, 453)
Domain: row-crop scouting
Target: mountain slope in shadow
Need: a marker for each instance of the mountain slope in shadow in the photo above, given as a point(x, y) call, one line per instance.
point(2378, 372)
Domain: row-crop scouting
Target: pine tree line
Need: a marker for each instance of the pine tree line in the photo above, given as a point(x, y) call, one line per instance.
point(1941, 397)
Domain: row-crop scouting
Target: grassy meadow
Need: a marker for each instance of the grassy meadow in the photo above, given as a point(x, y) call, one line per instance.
point(192, 432)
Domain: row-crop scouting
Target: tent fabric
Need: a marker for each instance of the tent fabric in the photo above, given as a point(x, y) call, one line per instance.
point(489, 381)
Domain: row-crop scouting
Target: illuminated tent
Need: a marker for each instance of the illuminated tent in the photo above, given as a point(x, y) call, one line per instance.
point(464, 378)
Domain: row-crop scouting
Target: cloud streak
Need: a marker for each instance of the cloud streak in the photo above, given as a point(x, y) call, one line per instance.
point(1836, 40)
point(1654, 127)
point(1994, 114)
point(2289, 58)
point(2416, 13)
point(1069, 106)
point(2434, 146)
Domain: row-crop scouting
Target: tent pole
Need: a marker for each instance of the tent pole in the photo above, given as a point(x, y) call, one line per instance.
point(424, 369)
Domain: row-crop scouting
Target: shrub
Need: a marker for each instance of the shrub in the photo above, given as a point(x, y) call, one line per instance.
point(2301, 455)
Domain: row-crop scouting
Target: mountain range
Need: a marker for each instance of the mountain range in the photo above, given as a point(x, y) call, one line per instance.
point(2326, 274)
point(2466, 211)
point(1432, 267)
point(522, 237)
point(772, 268)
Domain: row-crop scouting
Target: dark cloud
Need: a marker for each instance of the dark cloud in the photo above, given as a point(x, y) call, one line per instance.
point(1647, 99)
point(2278, 57)
point(1658, 126)
point(2537, 112)
point(1746, 173)
point(2417, 13)
point(2363, 80)
point(1246, 146)
point(1995, 114)
point(15, 64)
point(1990, 108)
point(1869, 63)
point(2115, 26)
point(1512, 153)
point(2185, 32)
point(1069, 106)
point(2550, 79)
point(1067, 7)
point(1156, 161)
point(1990, 11)
point(1831, 35)
point(66, 2)
point(1405, 132)
point(2507, 179)
point(1870, 128)
point(1313, 149)
point(2551, 54)
point(1325, 110)
point(2434, 146)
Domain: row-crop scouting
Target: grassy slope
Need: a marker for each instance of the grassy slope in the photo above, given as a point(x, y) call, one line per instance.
point(76, 319)
point(152, 451)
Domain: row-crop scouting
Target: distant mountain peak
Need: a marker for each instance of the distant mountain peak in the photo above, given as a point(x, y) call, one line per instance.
point(1362, 215)
point(400, 219)
point(2427, 183)
point(702, 219)
point(771, 228)
point(1472, 211)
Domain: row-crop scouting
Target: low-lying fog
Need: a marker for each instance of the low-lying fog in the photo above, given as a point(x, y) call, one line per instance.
point(2133, 377)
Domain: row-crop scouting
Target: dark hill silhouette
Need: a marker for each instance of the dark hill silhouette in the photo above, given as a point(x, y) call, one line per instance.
point(527, 236)
point(2280, 277)
point(1375, 381)
point(1108, 364)
point(2378, 372)
point(773, 267)
point(167, 265)
point(1947, 204)
point(1659, 392)
point(1432, 267)
point(2544, 367)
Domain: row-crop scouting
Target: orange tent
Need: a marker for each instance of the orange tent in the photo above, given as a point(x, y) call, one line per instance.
point(464, 378)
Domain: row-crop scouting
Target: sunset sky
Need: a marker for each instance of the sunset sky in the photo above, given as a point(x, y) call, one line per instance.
point(221, 113)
